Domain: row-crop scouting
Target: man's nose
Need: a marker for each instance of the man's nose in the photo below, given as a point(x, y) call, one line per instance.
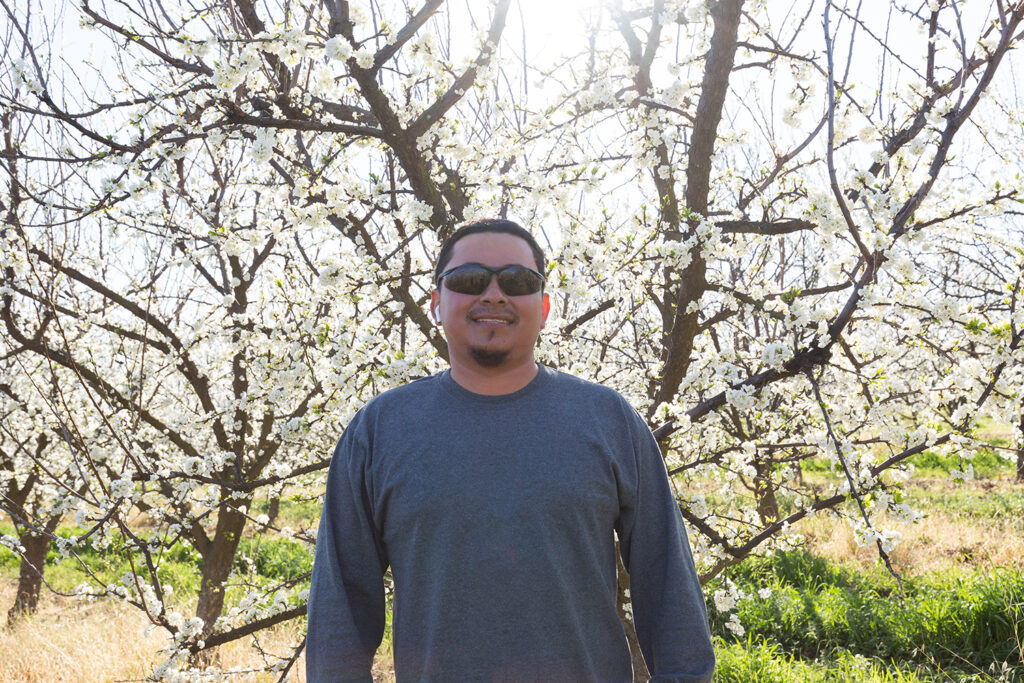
point(493, 291)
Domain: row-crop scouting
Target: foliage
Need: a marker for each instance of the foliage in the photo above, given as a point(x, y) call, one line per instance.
point(986, 462)
point(278, 559)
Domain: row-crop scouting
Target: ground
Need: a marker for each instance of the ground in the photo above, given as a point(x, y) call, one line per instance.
point(971, 529)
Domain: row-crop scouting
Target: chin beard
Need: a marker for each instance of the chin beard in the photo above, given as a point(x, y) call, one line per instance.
point(488, 359)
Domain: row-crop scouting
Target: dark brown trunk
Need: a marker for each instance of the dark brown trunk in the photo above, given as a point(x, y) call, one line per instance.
point(692, 283)
point(640, 672)
point(764, 494)
point(217, 562)
point(767, 506)
point(1020, 452)
point(30, 576)
point(273, 510)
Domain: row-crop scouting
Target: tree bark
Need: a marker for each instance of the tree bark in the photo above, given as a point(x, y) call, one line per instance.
point(30, 576)
point(1020, 452)
point(640, 672)
point(273, 509)
point(764, 493)
point(217, 561)
point(692, 283)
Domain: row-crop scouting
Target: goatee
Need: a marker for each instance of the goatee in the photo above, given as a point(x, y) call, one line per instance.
point(487, 358)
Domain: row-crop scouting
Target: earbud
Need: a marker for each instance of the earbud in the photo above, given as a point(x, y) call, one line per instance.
point(437, 316)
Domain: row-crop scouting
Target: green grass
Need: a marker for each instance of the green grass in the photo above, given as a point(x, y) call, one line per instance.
point(988, 464)
point(765, 662)
point(961, 622)
point(260, 560)
point(176, 566)
point(273, 558)
point(295, 510)
point(964, 503)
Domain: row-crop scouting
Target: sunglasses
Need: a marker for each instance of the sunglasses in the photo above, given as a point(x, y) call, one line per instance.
point(473, 278)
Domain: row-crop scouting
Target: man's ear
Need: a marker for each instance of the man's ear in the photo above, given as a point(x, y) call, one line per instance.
point(435, 303)
point(545, 303)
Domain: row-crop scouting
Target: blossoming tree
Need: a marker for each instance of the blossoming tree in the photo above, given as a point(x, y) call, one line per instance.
point(782, 234)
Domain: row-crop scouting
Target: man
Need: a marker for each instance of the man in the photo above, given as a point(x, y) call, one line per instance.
point(494, 490)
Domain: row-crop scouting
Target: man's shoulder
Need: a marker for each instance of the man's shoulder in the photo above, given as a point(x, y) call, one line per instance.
point(588, 390)
point(569, 382)
point(408, 394)
point(593, 406)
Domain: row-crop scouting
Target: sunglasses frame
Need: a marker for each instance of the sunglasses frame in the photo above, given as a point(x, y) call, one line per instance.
point(495, 273)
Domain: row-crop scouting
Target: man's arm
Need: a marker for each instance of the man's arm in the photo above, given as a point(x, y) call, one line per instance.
point(668, 605)
point(346, 595)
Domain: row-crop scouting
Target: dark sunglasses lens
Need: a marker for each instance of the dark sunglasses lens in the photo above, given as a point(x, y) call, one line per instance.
point(473, 279)
point(468, 279)
point(517, 281)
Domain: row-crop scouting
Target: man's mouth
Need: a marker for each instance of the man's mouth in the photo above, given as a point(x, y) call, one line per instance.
point(493, 320)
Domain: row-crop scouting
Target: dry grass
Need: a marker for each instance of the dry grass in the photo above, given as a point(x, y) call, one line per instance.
point(384, 669)
point(942, 540)
point(934, 544)
point(69, 640)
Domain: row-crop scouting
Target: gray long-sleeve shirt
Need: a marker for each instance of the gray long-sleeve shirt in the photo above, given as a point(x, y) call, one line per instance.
point(496, 515)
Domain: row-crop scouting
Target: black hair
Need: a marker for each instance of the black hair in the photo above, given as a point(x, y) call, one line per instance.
point(489, 225)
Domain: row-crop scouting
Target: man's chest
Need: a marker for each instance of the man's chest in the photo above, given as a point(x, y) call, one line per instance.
point(492, 483)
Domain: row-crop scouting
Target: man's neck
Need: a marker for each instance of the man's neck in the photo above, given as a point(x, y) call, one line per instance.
point(493, 381)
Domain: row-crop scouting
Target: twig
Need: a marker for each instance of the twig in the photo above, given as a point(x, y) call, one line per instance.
point(853, 487)
point(291, 662)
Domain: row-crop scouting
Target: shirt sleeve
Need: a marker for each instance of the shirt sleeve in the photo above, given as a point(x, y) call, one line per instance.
point(668, 604)
point(346, 612)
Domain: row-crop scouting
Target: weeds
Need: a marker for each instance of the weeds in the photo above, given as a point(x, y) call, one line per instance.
point(951, 621)
point(766, 662)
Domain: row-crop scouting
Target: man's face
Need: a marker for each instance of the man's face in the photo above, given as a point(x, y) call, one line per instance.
point(491, 329)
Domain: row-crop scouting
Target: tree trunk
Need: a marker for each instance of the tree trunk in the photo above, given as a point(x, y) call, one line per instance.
point(1020, 452)
point(30, 576)
point(640, 672)
point(273, 509)
point(217, 562)
point(764, 493)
